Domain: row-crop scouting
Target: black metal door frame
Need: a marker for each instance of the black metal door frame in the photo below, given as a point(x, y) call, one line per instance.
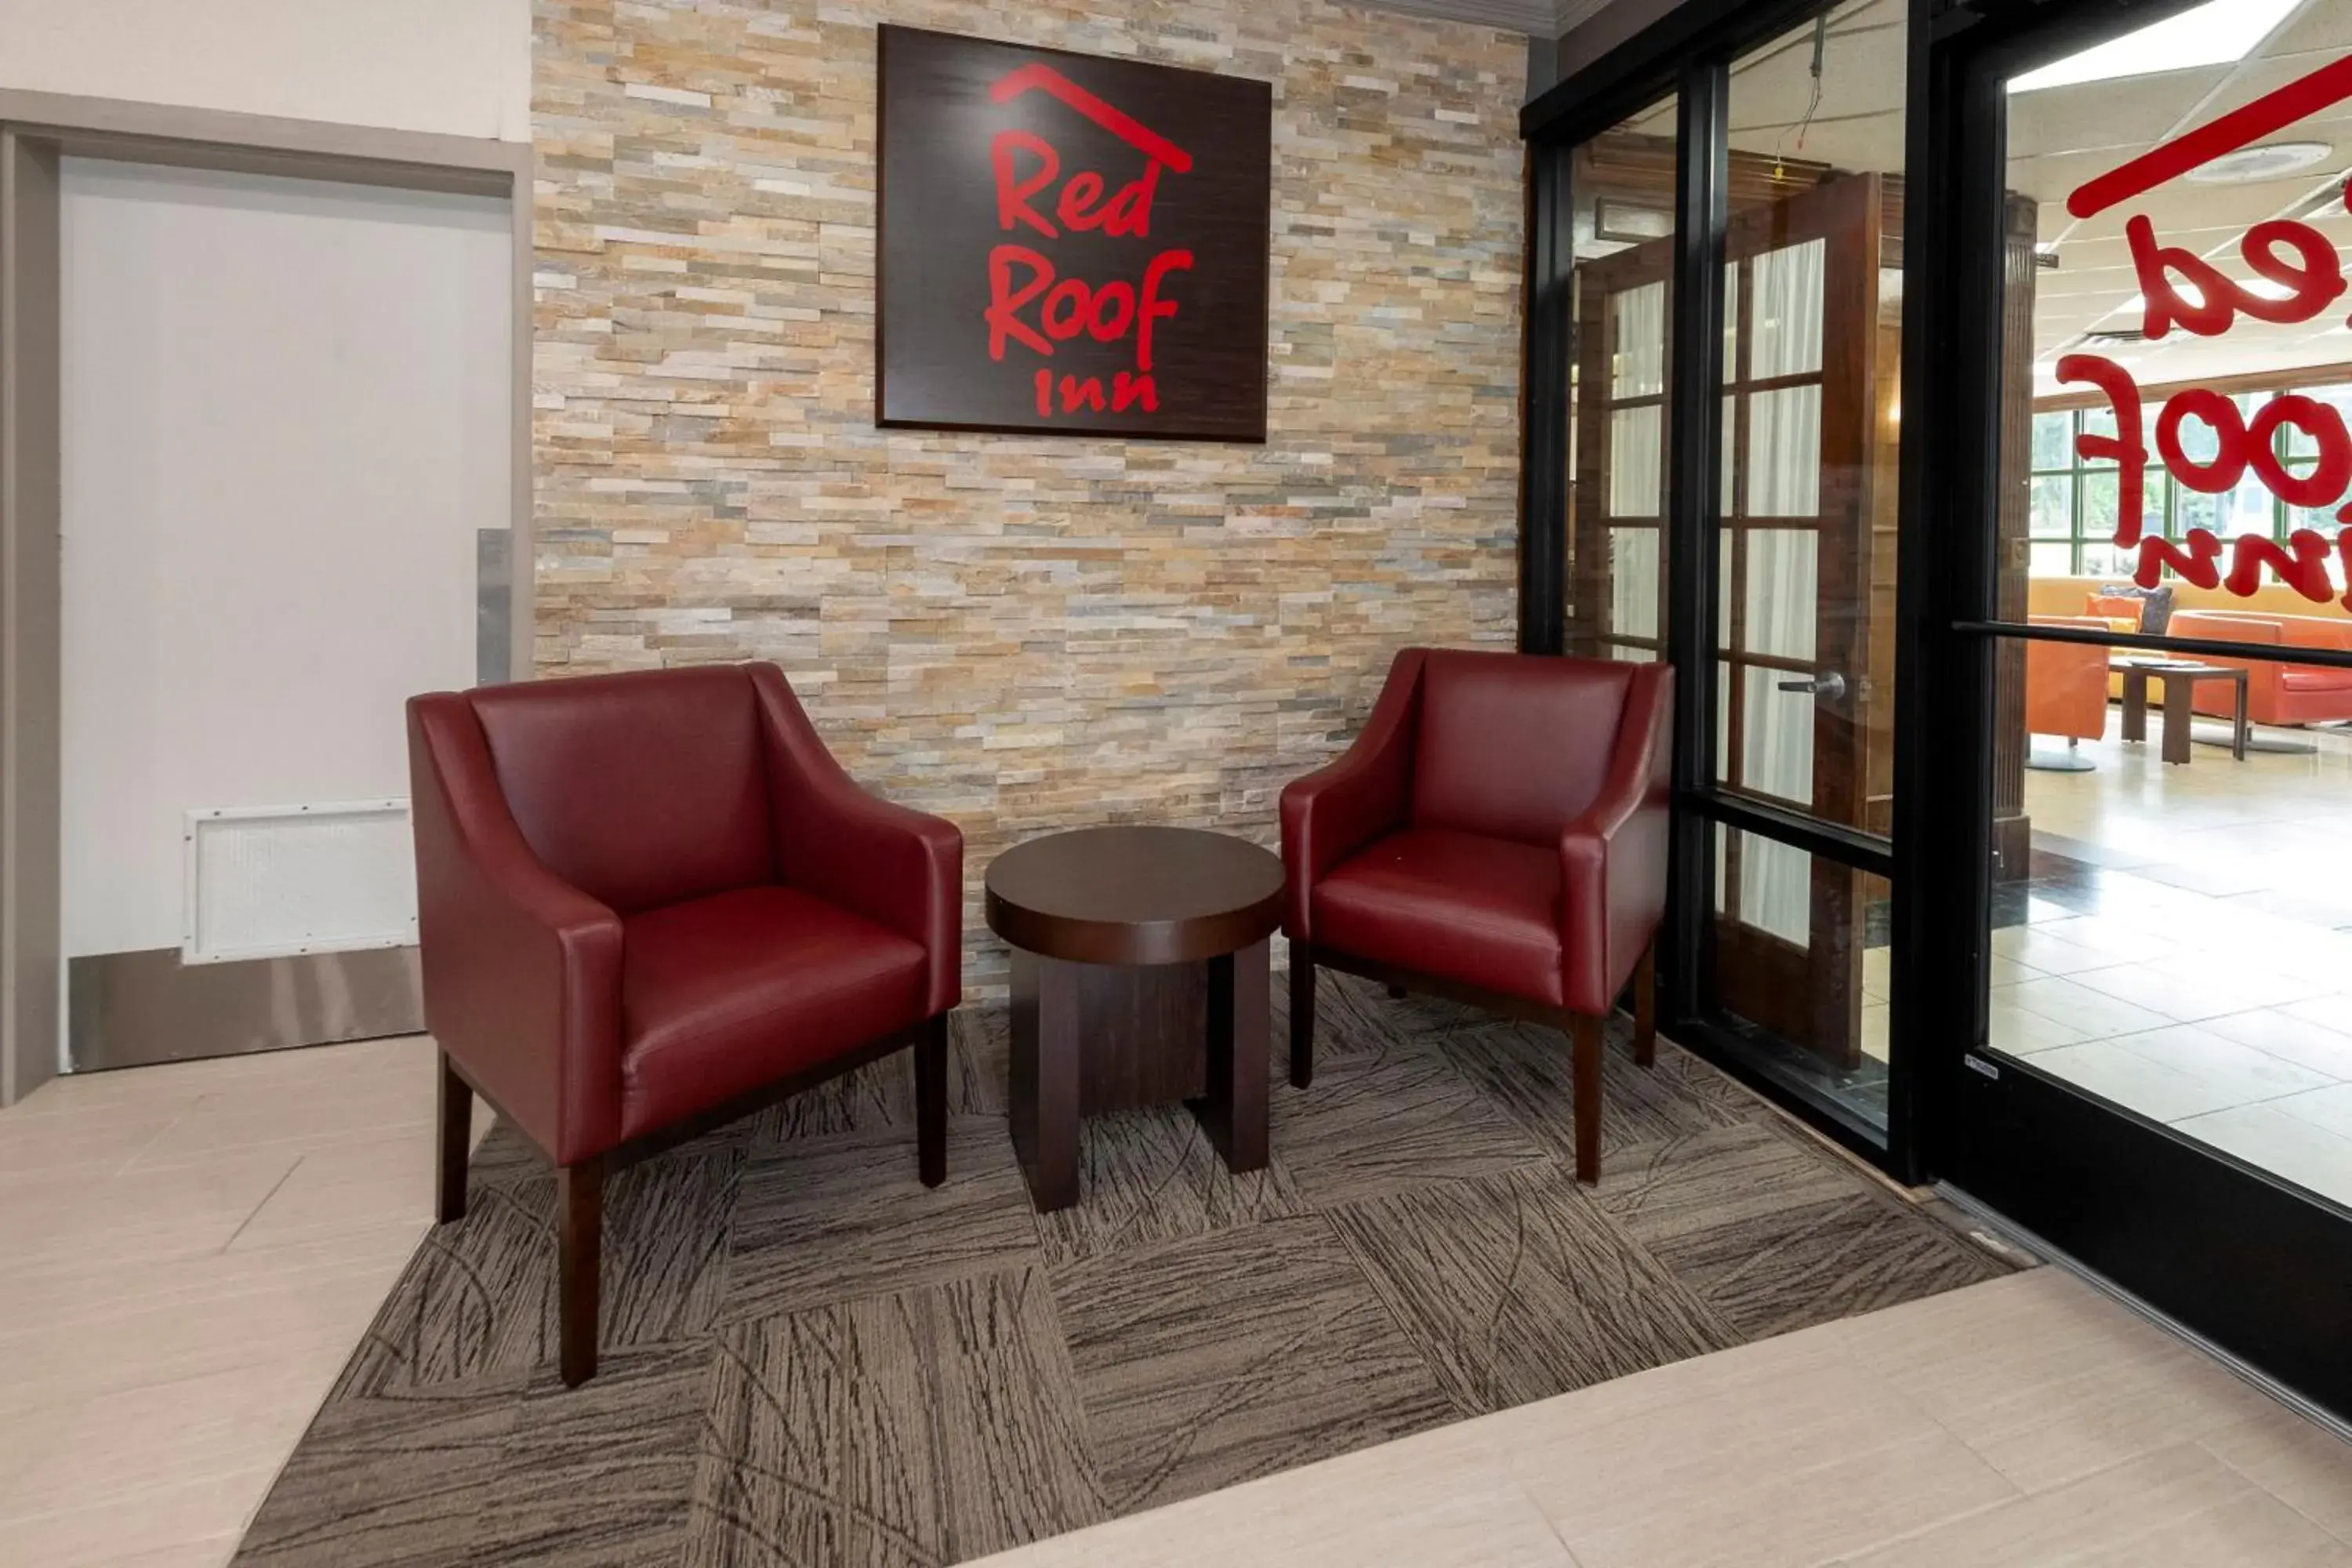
point(1687, 53)
point(2258, 1267)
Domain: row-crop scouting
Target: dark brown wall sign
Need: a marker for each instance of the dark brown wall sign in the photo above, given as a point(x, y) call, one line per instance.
point(1070, 244)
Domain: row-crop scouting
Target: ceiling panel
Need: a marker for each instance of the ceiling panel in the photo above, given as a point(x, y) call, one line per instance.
point(2267, 74)
point(1862, 72)
point(2323, 26)
point(2076, 283)
point(2132, 112)
point(1869, 142)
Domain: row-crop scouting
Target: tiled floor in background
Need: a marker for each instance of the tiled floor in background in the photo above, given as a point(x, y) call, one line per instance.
point(2183, 945)
point(187, 1255)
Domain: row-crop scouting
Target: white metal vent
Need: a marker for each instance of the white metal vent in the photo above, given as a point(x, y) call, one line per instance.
point(271, 880)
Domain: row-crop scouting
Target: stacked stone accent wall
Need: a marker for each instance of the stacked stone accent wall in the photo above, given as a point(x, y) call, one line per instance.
point(1021, 634)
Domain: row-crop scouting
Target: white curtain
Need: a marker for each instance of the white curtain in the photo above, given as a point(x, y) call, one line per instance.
point(1634, 580)
point(1639, 368)
point(1787, 328)
point(1636, 460)
point(1784, 451)
point(1776, 889)
point(1637, 456)
point(1782, 590)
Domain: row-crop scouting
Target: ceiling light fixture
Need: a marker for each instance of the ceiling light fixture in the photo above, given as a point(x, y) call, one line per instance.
point(2249, 164)
point(2221, 33)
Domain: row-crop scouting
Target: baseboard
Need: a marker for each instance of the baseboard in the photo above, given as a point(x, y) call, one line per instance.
point(137, 1008)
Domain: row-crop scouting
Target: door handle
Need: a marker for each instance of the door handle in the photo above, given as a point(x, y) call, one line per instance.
point(1829, 685)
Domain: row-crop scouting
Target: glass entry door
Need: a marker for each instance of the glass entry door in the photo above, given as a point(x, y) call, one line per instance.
point(2153, 648)
point(1792, 943)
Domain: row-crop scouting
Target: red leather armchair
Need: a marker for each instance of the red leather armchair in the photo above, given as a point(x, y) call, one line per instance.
point(1497, 834)
point(649, 903)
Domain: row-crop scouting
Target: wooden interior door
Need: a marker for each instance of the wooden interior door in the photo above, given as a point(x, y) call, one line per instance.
point(1805, 632)
point(1617, 536)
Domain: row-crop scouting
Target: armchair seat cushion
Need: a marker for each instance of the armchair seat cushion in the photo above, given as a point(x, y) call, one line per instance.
point(1484, 911)
point(723, 994)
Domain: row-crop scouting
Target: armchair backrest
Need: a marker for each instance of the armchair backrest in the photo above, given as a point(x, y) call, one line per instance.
point(641, 790)
point(1514, 746)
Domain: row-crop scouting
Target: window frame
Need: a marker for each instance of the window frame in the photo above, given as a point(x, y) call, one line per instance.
point(2165, 492)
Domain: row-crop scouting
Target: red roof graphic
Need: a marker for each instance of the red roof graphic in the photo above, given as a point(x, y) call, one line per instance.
point(2271, 113)
point(1045, 78)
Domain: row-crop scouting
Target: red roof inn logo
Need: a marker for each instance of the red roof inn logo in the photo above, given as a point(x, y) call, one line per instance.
point(1070, 244)
point(1026, 167)
point(2182, 289)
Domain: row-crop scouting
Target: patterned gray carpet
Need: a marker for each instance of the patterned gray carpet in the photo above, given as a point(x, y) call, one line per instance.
point(809, 1359)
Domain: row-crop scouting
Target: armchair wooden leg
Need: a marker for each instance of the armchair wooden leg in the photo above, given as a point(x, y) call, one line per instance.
point(931, 1101)
point(1645, 1007)
point(456, 1134)
point(1586, 1033)
point(579, 1203)
point(1302, 1015)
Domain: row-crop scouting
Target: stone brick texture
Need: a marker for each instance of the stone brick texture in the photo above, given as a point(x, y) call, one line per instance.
point(1021, 634)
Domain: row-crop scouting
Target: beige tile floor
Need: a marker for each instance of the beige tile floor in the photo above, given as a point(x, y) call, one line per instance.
point(2030, 1421)
point(2214, 992)
point(187, 1255)
point(192, 1252)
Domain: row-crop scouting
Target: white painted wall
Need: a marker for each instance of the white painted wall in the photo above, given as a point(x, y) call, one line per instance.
point(458, 66)
point(287, 412)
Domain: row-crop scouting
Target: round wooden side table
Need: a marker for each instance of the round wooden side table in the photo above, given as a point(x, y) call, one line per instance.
point(1138, 976)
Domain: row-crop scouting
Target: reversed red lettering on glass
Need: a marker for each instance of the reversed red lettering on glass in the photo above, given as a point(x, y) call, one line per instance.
point(2181, 288)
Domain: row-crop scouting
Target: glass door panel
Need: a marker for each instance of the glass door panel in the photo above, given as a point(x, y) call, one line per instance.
point(2142, 1053)
point(2170, 925)
point(1804, 629)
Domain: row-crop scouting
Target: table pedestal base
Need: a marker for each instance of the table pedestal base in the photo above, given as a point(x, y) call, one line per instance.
point(1091, 1038)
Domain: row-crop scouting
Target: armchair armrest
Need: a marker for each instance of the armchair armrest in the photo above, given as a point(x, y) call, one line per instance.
point(900, 868)
point(522, 971)
point(1612, 858)
point(1332, 814)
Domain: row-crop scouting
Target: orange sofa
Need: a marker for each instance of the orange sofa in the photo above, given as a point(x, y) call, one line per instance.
point(2275, 693)
point(2067, 683)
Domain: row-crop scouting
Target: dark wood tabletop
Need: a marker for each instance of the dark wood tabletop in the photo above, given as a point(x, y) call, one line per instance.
point(1135, 895)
